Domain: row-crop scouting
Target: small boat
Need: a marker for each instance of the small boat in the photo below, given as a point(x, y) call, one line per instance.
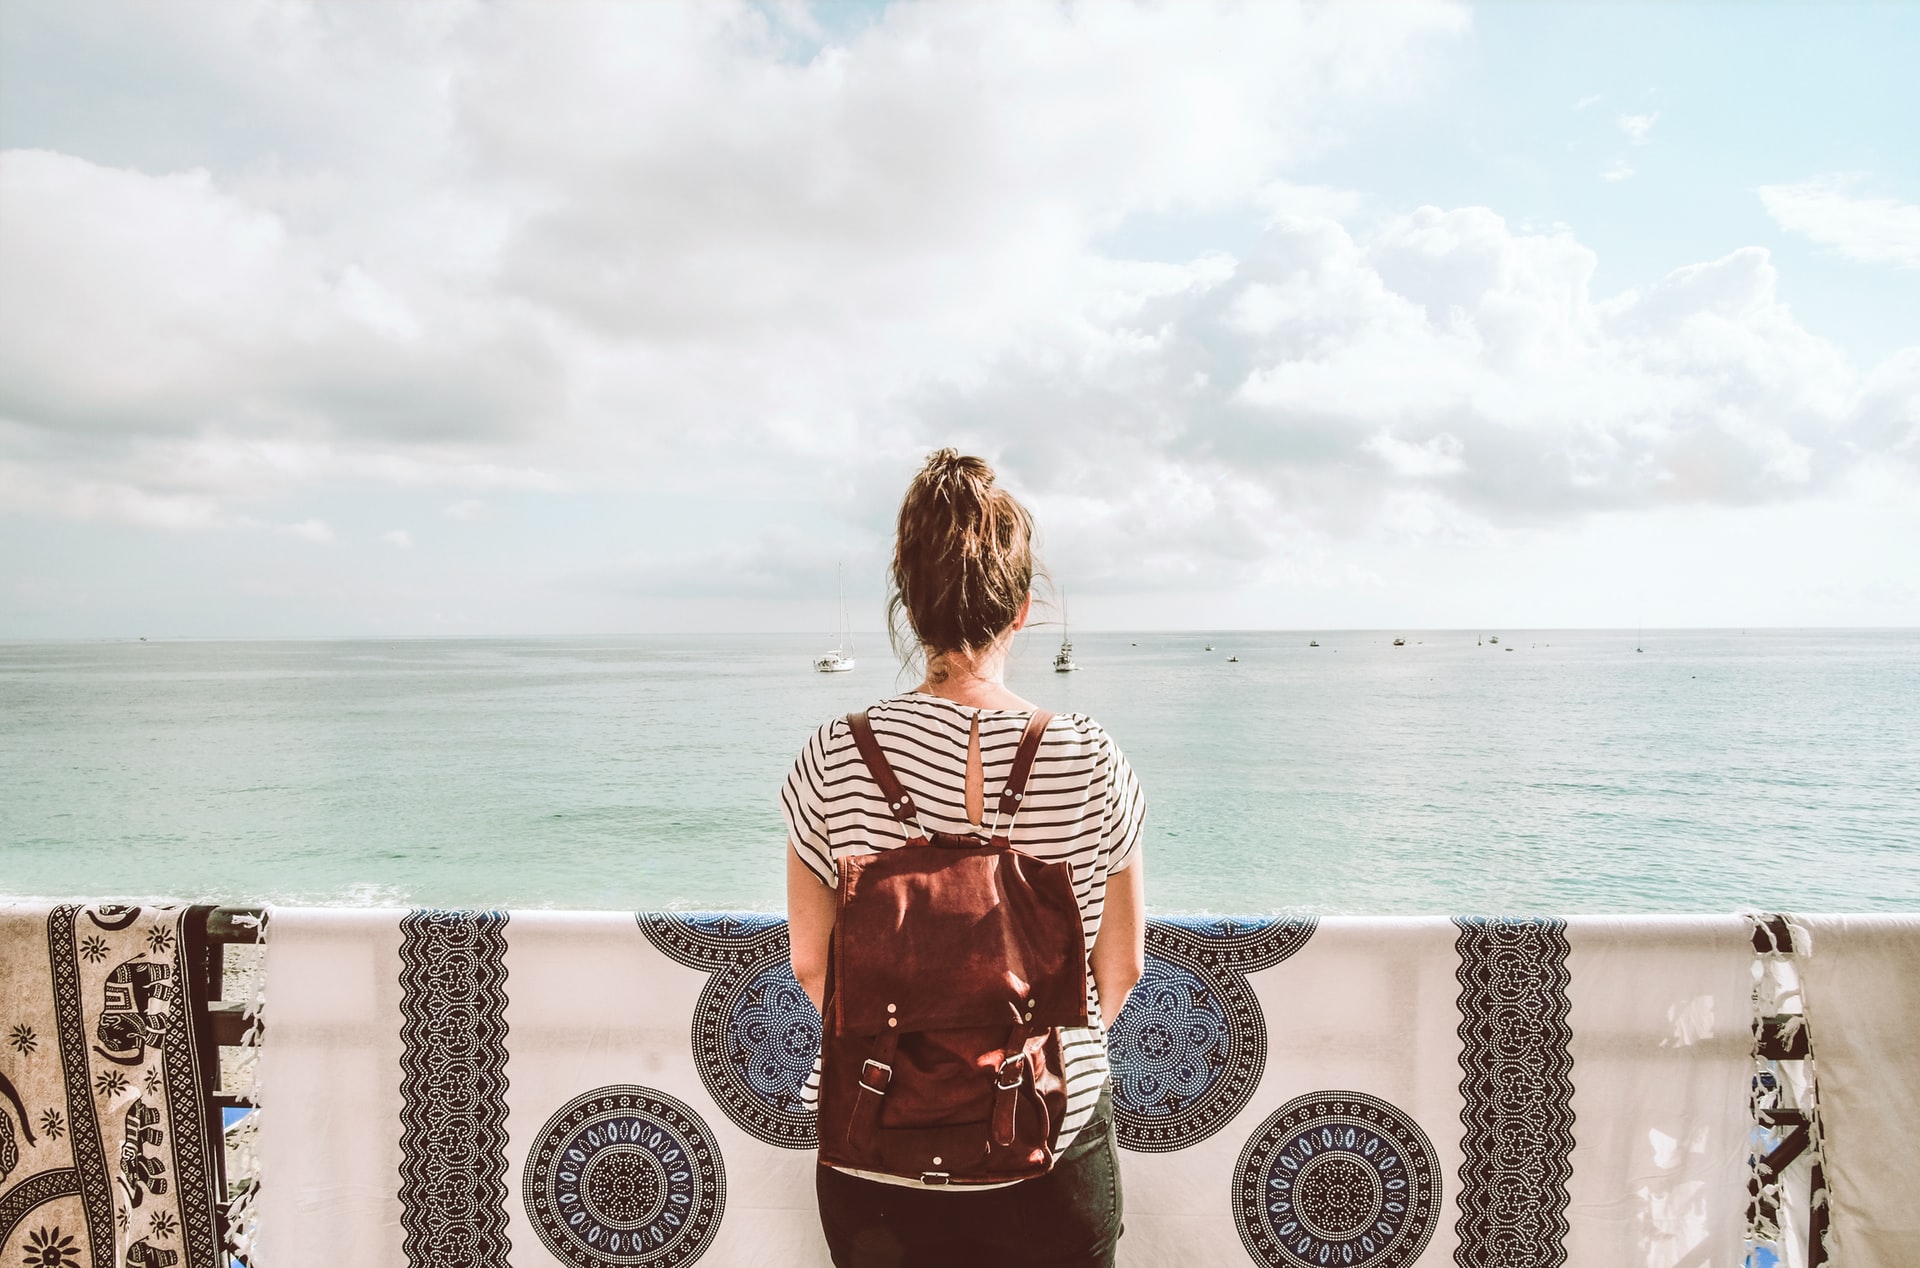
point(1493, 638)
point(840, 659)
point(1313, 642)
point(1209, 646)
point(1063, 659)
point(1233, 660)
point(1399, 642)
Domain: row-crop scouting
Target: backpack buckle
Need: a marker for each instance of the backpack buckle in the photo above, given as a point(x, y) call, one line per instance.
point(1018, 1064)
point(886, 1076)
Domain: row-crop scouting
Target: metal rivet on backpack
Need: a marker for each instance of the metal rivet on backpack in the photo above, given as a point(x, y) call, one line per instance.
point(1029, 1003)
point(1017, 796)
point(1028, 1017)
point(936, 1160)
point(893, 1021)
point(893, 1008)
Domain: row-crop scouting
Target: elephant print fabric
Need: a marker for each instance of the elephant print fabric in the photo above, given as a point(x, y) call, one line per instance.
point(106, 1152)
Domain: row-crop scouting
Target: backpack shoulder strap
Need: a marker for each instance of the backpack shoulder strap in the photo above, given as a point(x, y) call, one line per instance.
point(899, 800)
point(1016, 788)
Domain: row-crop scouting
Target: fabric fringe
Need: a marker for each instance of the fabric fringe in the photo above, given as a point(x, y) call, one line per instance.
point(243, 1154)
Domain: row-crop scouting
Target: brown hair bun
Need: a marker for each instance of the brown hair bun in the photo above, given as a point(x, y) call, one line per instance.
point(962, 556)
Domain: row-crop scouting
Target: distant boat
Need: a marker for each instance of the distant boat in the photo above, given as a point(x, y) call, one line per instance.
point(1493, 638)
point(1313, 642)
point(1399, 642)
point(1063, 659)
point(1233, 660)
point(1209, 646)
point(1479, 642)
point(143, 638)
point(840, 659)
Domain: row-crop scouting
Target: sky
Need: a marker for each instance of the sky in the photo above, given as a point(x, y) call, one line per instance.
point(515, 318)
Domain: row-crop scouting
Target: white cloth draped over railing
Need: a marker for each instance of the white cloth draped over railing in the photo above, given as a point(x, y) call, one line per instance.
point(592, 1089)
point(599, 1089)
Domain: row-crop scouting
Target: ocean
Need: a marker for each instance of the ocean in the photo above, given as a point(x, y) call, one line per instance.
point(1553, 772)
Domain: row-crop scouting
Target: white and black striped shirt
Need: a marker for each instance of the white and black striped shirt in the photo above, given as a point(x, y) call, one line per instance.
point(1082, 806)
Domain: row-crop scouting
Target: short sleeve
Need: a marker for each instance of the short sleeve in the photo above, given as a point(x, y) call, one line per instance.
point(1125, 813)
point(803, 802)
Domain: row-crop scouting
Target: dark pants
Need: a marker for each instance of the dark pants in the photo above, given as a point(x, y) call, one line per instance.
point(1068, 1218)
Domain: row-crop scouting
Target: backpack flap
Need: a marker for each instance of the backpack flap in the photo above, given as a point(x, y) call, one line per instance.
point(993, 940)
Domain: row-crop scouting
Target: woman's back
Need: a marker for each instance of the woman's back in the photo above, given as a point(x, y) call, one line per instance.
point(1082, 805)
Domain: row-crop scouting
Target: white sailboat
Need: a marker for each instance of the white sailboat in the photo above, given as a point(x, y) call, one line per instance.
point(840, 659)
point(1063, 659)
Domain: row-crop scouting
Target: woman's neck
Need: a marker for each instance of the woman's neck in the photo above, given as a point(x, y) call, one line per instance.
point(974, 682)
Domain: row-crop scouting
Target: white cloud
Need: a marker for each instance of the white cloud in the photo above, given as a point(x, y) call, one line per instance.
point(399, 537)
point(553, 248)
point(1638, 127)
point(1439, 371)
point(1441, 455)
point(1871, 230)
point(1593, 99)
point(309, 530)
point(679, 250)
point(1618, 170)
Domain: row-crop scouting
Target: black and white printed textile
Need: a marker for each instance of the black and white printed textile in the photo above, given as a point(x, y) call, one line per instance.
point(542, 1089)
point(106, 1151)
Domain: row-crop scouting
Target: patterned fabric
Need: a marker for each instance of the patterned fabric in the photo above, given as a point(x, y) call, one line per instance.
point(1337, 1178)
point(453, 1128)
point(755, 1032)
point(1190, 1045)
point(626, 1177)
point(605, 1091)
point(1517, 1093)
point(106, 1154)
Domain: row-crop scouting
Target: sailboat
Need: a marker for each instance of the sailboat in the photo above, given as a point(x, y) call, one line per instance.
point(840, 659)
point(1063, 659)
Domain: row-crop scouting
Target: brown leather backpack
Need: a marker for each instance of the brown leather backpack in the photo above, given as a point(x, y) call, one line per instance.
point(952, 964)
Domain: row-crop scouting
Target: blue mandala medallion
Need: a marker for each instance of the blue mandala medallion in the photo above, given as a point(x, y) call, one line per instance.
point(625, 1177)
point(1337, 1178)
point(1189, 1047)
point(755, 1032)
point(755, 1037)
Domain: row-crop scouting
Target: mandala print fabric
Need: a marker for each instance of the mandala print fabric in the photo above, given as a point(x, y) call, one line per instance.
point(105, 1149)
point(538, 1089)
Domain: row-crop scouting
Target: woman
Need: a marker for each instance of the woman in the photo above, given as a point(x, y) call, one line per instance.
point(962, 576)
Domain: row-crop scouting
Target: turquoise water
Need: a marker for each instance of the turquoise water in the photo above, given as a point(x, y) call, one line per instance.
point(1569, 774)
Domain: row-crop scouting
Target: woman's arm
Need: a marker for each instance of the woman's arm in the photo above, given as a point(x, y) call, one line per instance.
point(810, 909)
point(1120, 951)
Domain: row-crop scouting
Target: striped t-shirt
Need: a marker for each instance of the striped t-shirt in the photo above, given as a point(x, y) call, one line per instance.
point(1082, 806)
